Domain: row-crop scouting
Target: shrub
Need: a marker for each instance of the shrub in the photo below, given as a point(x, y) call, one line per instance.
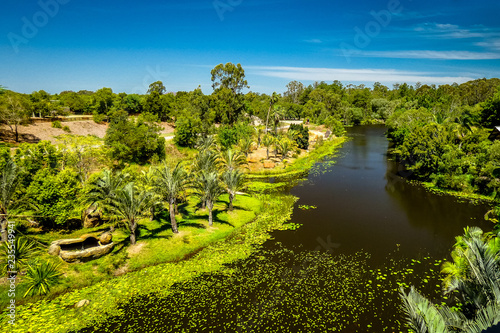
point(66, 129)
point(98, 118)
point(302, 136)
point(56, 124)
point(335, 126)
point(186, 132)
point(134, 141)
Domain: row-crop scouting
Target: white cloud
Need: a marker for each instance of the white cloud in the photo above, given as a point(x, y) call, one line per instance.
point(314, 41)
point(493, 44)
point(428, 54)
point(453, 31)
point(353, 75)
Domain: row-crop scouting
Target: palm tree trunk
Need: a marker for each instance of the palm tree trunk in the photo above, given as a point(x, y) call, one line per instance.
point(172, 217)
point(152, 214)
point(267, 151)
point(231, 198)
point(3, 226)
point(210, 219)
point(132, 226)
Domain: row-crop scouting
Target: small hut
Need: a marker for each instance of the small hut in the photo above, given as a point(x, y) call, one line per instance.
point(495, 134)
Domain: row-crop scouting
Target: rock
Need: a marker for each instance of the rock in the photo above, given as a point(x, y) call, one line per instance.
point(88, 254)
point(54, 249)
point(269, 165)
point(92, 217)
point(106, 238)
point(82, 303)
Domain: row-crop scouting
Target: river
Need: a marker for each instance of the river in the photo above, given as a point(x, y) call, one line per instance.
point(370, 233)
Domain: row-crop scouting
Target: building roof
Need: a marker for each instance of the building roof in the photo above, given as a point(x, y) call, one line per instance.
point(495, 134)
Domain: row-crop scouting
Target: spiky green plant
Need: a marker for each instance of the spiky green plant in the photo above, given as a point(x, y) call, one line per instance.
point(40, 278)
point(22, 250)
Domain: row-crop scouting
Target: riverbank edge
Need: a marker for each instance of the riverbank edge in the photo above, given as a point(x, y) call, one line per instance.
point(302, 164)
point(61, 315)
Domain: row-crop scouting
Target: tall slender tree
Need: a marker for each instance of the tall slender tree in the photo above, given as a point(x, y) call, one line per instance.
point(9, 181)
point(130, 203)
point(170, 182)
point(233, 181)
point(209, 189)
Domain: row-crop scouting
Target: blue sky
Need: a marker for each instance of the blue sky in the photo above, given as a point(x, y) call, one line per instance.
point(59, 45)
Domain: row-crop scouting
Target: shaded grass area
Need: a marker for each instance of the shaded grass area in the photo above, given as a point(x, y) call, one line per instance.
point(156, 244)
point(59, 314)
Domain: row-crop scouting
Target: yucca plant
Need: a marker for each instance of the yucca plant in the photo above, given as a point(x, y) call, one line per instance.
point(23, 250)
point(40, 278)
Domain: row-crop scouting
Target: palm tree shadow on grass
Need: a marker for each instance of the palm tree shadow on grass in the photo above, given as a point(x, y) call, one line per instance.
point(216, 219)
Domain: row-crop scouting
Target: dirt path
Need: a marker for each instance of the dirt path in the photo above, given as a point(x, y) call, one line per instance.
point(44, 131)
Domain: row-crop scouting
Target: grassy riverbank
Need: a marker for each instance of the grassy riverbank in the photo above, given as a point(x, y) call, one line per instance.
point(60, 315)
point(156, 261)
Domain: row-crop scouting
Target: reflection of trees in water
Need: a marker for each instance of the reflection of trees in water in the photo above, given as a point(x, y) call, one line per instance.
point(444, 215)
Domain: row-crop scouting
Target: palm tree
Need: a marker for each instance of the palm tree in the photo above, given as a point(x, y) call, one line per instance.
point(9, 180)
point(274, 100)
point(231, 159)
point(105, 187)
point(475, 270)
point(147, 183)
point(424, 317)
point(206, 143)
point(169, 184)
point(130, 203)
point(268, 141)
point(206, 160)
point(285, 145)
point(246, 145)
point(233, 181)
point(209, 189)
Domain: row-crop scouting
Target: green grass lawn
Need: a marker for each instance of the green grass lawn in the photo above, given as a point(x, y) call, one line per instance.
point(156, 243)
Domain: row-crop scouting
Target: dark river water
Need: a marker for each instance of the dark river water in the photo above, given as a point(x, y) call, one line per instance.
point(364, 204)
point(371, 233)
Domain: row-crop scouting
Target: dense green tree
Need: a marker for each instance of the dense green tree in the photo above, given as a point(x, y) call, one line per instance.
point(103, 100)
point(228, 83)
point(491, 111)
point(157, 87)
point(14, 111)
point(301, 135)
point(134, 141)
point(186, 131)
point(55, 196)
